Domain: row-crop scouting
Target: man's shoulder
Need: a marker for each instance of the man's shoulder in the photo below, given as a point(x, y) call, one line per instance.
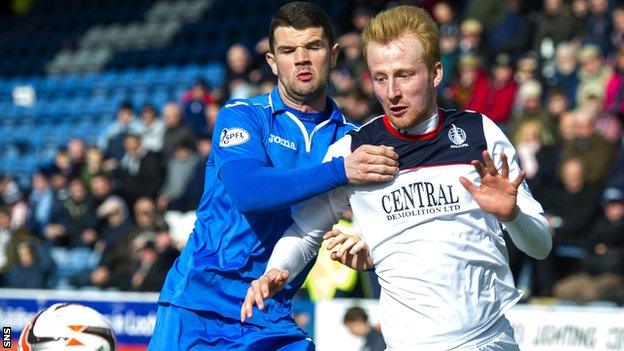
point(368, 129)
point(373, 133)
point(255, 106)
point(471, 122)
point(454, 115)
point(260, 102)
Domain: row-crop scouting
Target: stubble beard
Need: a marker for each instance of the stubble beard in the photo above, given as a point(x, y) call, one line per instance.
point(413, 116)
point(307, 92)
point(408, 120)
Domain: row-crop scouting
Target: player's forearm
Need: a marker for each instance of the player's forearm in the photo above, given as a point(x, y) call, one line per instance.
point(254, 187)
point(530, 233)
point(303, 238)
point(294, 251)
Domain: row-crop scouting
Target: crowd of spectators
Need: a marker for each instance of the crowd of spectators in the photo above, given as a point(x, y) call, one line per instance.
point(94, 218)
point(550, 74)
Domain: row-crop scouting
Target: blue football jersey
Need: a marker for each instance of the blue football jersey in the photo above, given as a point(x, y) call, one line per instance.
point(228, 249)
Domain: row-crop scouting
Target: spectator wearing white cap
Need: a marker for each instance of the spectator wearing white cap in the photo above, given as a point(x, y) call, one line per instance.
point(565, 76)
point(115, 213)
point(13, 197)
point(593, 70)
point(470, 36)
point(530, 108)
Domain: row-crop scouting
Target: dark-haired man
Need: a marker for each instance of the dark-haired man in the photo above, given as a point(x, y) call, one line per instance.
point(265, 159)
point(356, 321)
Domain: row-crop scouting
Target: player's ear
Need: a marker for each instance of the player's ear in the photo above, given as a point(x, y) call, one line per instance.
point(270, 59)
point(335, 50)
point(438, 73)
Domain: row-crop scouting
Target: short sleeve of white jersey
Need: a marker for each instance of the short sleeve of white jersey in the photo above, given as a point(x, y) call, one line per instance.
point(319, 214)
point(497, 144)
point(341, 148)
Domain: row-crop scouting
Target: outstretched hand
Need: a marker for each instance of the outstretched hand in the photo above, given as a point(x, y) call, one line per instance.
point(263, 288)
point(496, 195)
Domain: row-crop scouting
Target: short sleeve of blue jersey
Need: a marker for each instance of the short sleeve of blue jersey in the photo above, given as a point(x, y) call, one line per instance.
point(238, 134)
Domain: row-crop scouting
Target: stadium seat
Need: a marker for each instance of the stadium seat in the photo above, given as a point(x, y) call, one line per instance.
point(76, 39)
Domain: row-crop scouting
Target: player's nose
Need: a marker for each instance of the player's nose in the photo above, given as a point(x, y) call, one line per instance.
point(302, 57)
point(394, 91)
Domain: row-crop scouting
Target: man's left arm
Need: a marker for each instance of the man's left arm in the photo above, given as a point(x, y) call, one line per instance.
point(302, 240)
point(506, 195)
point(299, 244)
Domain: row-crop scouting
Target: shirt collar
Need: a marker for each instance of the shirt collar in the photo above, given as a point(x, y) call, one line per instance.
point(424, 127)
point(278, 106)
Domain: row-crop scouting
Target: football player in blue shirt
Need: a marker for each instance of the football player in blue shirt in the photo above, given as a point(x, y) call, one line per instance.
point(266, 158)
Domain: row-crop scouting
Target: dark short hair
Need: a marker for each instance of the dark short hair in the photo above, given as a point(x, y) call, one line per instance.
point(149, 107)
point(4, 210)
point(355, 314)
point(201, 82)
point(301, 15)
point(132, 135)
point(125, 105)
point(185, 143)
point(102, 175)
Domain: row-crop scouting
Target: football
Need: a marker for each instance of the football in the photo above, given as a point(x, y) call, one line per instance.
point(68, 327)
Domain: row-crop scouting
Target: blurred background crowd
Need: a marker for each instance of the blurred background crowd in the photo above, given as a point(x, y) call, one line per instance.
point(106, 124)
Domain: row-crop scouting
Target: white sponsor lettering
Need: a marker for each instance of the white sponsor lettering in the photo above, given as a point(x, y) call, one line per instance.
point(132, 324)
point(281, 141)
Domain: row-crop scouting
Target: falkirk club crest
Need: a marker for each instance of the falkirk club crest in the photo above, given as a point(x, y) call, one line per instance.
point(457, 136)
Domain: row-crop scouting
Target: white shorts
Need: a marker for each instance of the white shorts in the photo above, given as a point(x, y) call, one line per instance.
point(500, 337)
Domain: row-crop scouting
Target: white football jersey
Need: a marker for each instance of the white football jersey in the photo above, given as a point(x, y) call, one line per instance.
point(441, 260)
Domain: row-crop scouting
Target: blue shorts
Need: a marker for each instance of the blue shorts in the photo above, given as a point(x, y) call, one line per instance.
point(178, 328)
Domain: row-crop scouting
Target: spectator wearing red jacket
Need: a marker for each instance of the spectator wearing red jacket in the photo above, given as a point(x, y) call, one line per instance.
point(470, 90)
point(501, 91)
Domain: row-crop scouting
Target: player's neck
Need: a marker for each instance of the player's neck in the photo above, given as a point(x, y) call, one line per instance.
point(315, 106)
point(422, 127)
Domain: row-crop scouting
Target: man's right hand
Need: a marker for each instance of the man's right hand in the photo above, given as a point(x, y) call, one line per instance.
point(369, 163)
point(263, 288)
point(350, 250)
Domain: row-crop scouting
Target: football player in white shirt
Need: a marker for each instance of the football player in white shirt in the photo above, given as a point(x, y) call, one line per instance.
point(434, 233)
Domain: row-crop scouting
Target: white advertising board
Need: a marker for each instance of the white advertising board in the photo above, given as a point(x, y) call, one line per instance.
point(537, 328)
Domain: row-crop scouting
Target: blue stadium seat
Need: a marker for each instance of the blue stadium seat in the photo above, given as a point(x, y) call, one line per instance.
point(36, 138)
point(159, 98)
point(139, 99)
